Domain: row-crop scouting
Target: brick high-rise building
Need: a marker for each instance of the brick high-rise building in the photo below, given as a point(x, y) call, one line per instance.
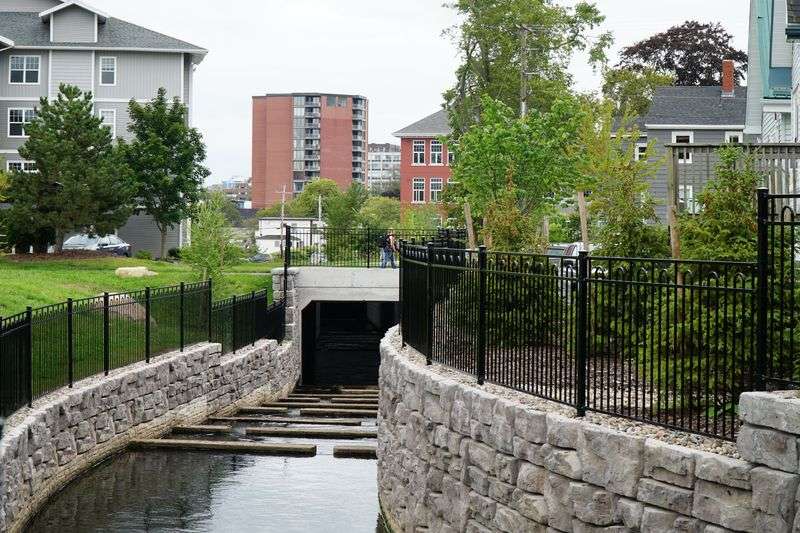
point(300, 137)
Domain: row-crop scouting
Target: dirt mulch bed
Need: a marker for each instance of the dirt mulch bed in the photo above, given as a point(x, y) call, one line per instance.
point(68, 255)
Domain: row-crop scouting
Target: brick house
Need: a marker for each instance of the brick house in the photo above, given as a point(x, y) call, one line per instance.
point(424, 160)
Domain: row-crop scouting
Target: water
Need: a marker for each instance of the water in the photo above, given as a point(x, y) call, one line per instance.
point(206, 492)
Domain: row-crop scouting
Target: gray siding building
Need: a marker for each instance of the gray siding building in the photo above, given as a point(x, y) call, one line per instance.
point(44, 43)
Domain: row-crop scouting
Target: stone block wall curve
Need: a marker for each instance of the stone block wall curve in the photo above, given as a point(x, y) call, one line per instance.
point(70, 431)
point(453, 457)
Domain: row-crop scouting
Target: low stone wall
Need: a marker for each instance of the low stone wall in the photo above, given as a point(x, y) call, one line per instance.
point(454, 457)
point(71, 430)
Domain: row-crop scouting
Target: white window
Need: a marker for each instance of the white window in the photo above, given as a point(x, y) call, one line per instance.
point(109, 118)
point(683, 137)
point(23, 70)
point(437, 184)
point(108, 71)
point(451, 157)
point(686, 201)
point(17, 119)
point(436, 153)
point(21, 166)
point(641, 151)
point(418, 191)
point(733, 137)
point(418, 153)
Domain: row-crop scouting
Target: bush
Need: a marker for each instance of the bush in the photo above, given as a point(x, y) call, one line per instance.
point(174, 253)
point(144, 255)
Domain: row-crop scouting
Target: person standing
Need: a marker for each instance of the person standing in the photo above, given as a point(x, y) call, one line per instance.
point(388, 248)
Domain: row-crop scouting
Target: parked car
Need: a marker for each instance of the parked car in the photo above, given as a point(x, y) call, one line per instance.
point(259, 258)
point(107, 244)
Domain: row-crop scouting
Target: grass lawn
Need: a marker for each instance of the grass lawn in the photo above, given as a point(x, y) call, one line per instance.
point(39, 283)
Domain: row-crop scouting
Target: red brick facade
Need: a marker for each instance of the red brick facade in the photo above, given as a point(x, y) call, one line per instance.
point(428, 174)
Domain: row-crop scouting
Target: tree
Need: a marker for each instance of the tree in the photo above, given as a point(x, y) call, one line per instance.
point(342, 211)
point(82, 182)
point(380, 213)
point(422, 217)
point(307, 203)
point(692, 51)
point(212, 248)
point(517, 50)
point(166, 156)
point(632, 90)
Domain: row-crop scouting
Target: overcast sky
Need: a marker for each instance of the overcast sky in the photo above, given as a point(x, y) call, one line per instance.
point(392, 52)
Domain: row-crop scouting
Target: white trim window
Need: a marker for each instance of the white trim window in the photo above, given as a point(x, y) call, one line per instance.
point(683, 137)
point(451, 157)
point(109, 118)
point(437, 153)
point(733, 137)
point(21, 166)
point(437, 185)
point(686, 200)
point(641, 152)
point(418, 191)
point(24, 70)
point(418, 153)
point(17, 119)
point(108, 70)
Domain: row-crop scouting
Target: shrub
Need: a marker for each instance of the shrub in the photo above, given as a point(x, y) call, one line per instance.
point(174, 253)
point(144, 255)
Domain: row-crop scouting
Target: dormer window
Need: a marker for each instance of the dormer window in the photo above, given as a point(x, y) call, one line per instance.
point(24, 70)
point(108, 71)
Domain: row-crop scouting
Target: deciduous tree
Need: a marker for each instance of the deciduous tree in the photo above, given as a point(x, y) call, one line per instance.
point(631, 90)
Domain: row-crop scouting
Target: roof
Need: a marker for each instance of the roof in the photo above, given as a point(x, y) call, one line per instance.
point(431, 126)
point(697, 106)
point(28, 31)
point(69, 3)
point(6, 41)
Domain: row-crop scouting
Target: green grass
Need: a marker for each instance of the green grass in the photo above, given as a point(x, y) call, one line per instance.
point(40, 283)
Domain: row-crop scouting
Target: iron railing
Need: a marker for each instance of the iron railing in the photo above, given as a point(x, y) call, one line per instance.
point(667, 342)
point(50, 347)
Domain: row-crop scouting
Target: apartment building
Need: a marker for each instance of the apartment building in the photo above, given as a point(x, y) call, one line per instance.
point(300, 137)
point(44, 43)
point(424, 159)
point(384, 165)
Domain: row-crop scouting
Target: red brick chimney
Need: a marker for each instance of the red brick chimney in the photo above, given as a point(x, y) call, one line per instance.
point(728, 78)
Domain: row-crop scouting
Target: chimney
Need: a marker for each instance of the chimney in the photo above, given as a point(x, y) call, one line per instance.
point(728, 78)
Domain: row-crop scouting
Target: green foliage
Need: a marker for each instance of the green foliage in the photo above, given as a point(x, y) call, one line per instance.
point(632, 90)
point(565, 227)
point(83, 183)
point(343, 210)
point(380, 212)
point(174, 253)
point(166, 156)
point(499, 38)
point(212, 249)
point(144, 255)
point(421, 217)
point(307, 204)
point(725, 228)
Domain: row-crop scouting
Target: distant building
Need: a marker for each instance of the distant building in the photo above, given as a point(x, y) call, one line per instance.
point(424, 160)
point(270, 234)
point(300, 137)
point(384, 165)
point(238, 190)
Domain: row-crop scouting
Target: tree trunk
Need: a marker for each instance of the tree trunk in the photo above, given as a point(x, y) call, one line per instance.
point(58, 247)
point(470, 227)
point(583, 212)
point(487, 235)
point(163, 244)
point(546, 230)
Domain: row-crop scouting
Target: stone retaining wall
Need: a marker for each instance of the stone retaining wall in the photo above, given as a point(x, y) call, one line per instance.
point(71, 430)
point(453, 457)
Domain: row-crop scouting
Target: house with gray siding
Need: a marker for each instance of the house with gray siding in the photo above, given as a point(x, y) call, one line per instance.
point(44, 43)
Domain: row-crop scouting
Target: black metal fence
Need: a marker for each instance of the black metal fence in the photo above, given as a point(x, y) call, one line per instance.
point(55, 346)
point(661, 341)
point(360, 247)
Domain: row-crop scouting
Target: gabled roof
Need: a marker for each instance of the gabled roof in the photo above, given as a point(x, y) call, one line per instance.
point(697, 106)
point(69, 3)
point(431, 126)
point(6, 41)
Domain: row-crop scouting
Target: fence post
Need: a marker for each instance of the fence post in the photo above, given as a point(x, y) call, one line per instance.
point(369, 248)
point(581, 331)
point(429, 305)
point(106, 344)
point(253, 317)
point(762, 288)
point(70, 347)
point(182, 333)
point(210, 304)
point(29, 359)
point(233, 324)
point(401, 299)
point(480, 359)
point(147, 310)
point(287, 260)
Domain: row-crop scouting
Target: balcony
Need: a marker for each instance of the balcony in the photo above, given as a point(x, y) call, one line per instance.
point(312, 167)
point(311, 145)
point(358, 146)
point(312, 157)
point(312, 112)
point(312, 101)
point(358, 158)
point(358, 136)
point(358, 103)
point(312, 134)
point(358, 115)
point(358, 125)
point(312, 123)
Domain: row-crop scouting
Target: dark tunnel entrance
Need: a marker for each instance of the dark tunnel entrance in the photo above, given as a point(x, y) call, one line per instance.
point(341, 341)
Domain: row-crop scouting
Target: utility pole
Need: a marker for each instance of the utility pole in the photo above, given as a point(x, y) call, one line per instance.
point(523, 71)
point(283, 216)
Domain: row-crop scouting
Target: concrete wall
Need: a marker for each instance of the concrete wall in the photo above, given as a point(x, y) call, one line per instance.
point(71, 430)
point(454, 457)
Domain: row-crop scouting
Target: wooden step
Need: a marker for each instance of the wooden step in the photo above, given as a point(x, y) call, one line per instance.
point(360, 452)
point(313, 404)
point(311, 433)
point(292, 399)
point(287, 420)
point(331, 396)
point(264, 410)
point(363, 413)
point(354, 400)
point(261, 448)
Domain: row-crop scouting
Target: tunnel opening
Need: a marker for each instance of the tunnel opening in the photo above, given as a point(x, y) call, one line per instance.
point(341, 341)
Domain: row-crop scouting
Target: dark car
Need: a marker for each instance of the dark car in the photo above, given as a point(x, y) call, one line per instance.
point(107, 244)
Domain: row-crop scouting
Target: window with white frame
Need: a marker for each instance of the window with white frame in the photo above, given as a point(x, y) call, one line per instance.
point(437, 184)
point(17, 119)
point(108, 71)
point(437, 153)
point(418, 191)
point(686, 200)
point(21, 166)
point(641, 151)
point(683, 137)
point(418, 153)
point(23, 70)
point(109, 118)
point(451, 157)
point(733, 137)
